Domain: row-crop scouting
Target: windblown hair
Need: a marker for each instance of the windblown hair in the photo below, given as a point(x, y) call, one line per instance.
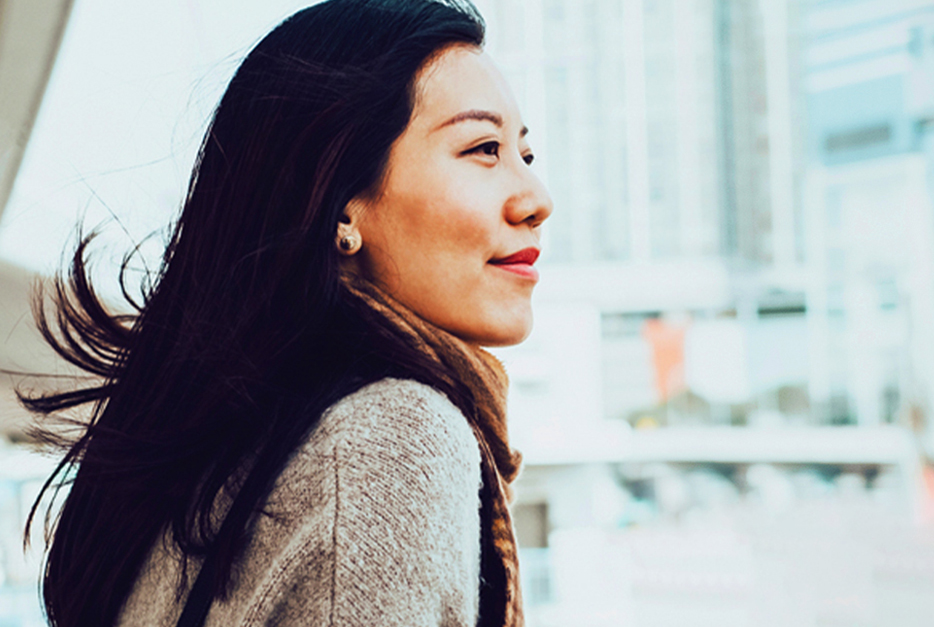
point(246, 334)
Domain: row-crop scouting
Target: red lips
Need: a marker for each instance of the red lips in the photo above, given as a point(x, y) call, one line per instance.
point(526, 256)
point(520, 264)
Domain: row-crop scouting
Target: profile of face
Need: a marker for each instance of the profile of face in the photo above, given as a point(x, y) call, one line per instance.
point(454, 230)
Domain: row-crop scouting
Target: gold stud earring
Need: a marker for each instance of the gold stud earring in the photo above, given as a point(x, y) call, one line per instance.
point(348, 243)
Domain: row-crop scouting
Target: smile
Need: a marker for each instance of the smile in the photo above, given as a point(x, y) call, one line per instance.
point(519, 263)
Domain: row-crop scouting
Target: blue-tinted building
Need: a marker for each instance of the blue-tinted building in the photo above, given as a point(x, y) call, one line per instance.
point(869, 76)
point(868, 79)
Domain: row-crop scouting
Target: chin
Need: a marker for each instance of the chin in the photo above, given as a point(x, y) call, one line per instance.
point(495, 326)
point(506, 334)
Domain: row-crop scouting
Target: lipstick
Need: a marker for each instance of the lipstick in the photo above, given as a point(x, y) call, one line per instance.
point(520, 263)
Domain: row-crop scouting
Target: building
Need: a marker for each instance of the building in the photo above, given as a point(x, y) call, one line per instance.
point(692, 279)
point(869, 84)
point(670, 139)
point(665, 127)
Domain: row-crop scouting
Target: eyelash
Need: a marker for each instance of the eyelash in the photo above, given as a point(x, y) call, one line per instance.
point(492, 149)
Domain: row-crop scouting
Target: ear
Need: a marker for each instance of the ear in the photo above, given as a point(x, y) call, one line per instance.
point(353, 211)
point(348, 238)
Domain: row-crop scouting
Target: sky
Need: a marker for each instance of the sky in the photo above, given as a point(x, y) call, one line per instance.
point(121, 121)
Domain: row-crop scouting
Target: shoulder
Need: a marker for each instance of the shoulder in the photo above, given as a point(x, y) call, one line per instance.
point(384, 525)
point(404, 399)
point(388, 435)
point(397, 417)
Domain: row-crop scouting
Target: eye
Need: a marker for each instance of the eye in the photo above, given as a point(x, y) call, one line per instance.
point(490, 149)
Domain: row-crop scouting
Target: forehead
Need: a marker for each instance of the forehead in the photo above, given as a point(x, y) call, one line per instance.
point(461, 78)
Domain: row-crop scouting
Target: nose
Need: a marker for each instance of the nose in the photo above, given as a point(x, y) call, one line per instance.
point(531, 204)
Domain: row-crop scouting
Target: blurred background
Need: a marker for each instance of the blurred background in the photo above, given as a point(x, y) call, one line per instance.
point(726, 404)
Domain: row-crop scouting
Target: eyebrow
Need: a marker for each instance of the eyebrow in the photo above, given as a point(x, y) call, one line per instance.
point(478, 115)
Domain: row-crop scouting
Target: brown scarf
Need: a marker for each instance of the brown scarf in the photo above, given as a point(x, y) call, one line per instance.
point(484, 375)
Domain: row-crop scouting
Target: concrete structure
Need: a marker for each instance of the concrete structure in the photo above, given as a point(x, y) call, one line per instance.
point(22, 350)
point(30, 33)
point(19, 345)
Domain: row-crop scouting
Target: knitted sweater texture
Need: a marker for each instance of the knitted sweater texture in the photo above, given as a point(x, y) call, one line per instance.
point(375, 521)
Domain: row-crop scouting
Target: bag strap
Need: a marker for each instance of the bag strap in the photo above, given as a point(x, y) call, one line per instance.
point(256, 487)
point(201, 596)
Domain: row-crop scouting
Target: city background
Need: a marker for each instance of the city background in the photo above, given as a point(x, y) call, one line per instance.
point(725, 407)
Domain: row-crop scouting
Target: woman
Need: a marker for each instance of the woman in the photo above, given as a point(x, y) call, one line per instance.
point(299, 426)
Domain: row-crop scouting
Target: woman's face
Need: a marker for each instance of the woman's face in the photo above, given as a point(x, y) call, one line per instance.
point(456, 228)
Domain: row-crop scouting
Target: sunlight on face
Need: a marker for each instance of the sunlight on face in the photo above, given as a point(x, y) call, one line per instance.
point(456, 228)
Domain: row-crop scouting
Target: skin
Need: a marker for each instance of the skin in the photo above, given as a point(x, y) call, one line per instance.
point(458, 193)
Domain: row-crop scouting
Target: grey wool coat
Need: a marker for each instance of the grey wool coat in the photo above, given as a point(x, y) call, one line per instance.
point(376, 523)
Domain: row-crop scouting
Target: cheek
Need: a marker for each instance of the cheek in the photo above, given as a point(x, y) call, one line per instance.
point(428, 241)
point(466, 218)
point(453, 223)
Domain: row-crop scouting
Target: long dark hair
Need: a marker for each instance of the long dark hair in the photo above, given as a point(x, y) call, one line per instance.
point(245, 335)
